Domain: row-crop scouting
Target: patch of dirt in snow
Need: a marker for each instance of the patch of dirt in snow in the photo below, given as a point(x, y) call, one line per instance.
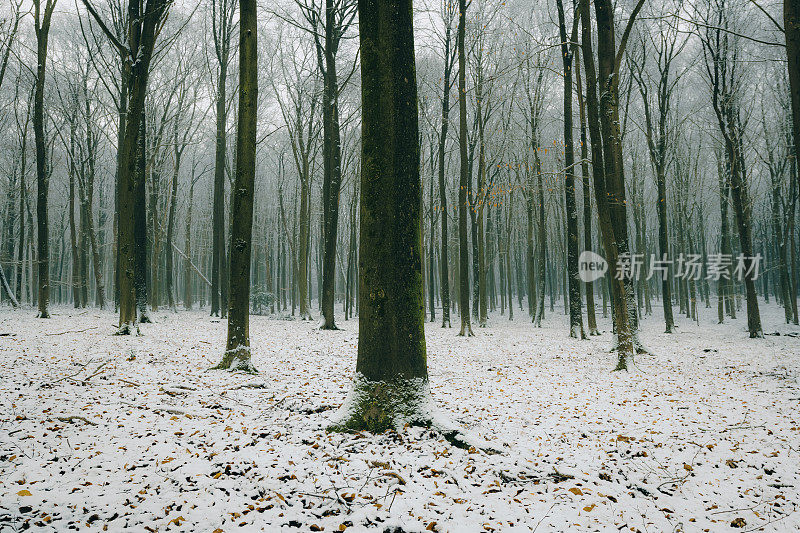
point(104, 432)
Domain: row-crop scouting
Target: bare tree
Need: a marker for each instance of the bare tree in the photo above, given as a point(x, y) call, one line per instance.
point(237, 353)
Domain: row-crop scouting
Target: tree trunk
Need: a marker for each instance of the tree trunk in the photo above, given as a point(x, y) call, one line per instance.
point(42, 27)
point(463, 251)
point(140, 223)
point(391, 372)
point(573, 283)
point(173, 204)
point(218, 213)
point(187, 272)
point(541, 263)
point(332, 169)
point(791, 24)
point(237, 353)
point(624, 334)
point(591, 318)
point(444, 274)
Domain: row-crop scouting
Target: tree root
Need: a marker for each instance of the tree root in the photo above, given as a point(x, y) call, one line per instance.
point(237, 360)
point(380, 406)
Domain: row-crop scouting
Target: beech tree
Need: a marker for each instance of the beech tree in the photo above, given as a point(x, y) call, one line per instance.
point(237, 353)
point(144, 22)
point(391, 383)
point(42, 16)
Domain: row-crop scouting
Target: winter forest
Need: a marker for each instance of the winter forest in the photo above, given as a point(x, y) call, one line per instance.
point(399, 265)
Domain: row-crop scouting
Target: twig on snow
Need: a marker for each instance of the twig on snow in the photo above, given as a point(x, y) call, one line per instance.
point(73, 418)
point(72, 331)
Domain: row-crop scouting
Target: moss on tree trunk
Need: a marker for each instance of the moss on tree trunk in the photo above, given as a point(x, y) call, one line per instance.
point(392, 369)
point(237, 353)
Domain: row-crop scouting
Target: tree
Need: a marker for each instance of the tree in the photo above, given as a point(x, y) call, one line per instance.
point(591, 319)
point(723, 70)
point(223, 26)
point(447, 84)
point(391, 383)
point(144, 23)
point(237, 353)
point(791, 24)
point(659, 130)
point(338, 16)
point(42, 27)
point(463, 182)
point(609, 184)
point(297, 99)
point(567, 53)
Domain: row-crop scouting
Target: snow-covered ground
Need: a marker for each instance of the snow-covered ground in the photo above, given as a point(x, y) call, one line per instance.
point(104, 432)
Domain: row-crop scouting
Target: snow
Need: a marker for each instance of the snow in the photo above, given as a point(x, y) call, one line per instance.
point(703, 432)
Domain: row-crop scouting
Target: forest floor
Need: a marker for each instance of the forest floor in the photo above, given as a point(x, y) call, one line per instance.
point(99, 432)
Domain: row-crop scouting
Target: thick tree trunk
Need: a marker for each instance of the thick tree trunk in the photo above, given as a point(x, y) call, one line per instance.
point(237, 353)
point(391, 383)
point(141, 41)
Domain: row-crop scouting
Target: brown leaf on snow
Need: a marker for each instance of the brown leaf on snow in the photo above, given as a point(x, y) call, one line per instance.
point(395, 475)
point(576, 491)
point(738, 522)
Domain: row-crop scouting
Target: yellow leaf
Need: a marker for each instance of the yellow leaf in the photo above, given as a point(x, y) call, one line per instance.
point(588, 508)
point(576, 491)
point(24, 493)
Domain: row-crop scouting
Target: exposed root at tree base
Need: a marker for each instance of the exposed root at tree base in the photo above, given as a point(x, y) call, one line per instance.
point(128, 329)
point(379, 406)
point(237, 360)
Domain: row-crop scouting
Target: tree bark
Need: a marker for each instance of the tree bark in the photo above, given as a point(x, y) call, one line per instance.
point(391, 372)
point(791, 25)
point(624, 335)
point(463, 251)
point(42, 27)
point(237, 354)
point(573, 283)
point(444, 258)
